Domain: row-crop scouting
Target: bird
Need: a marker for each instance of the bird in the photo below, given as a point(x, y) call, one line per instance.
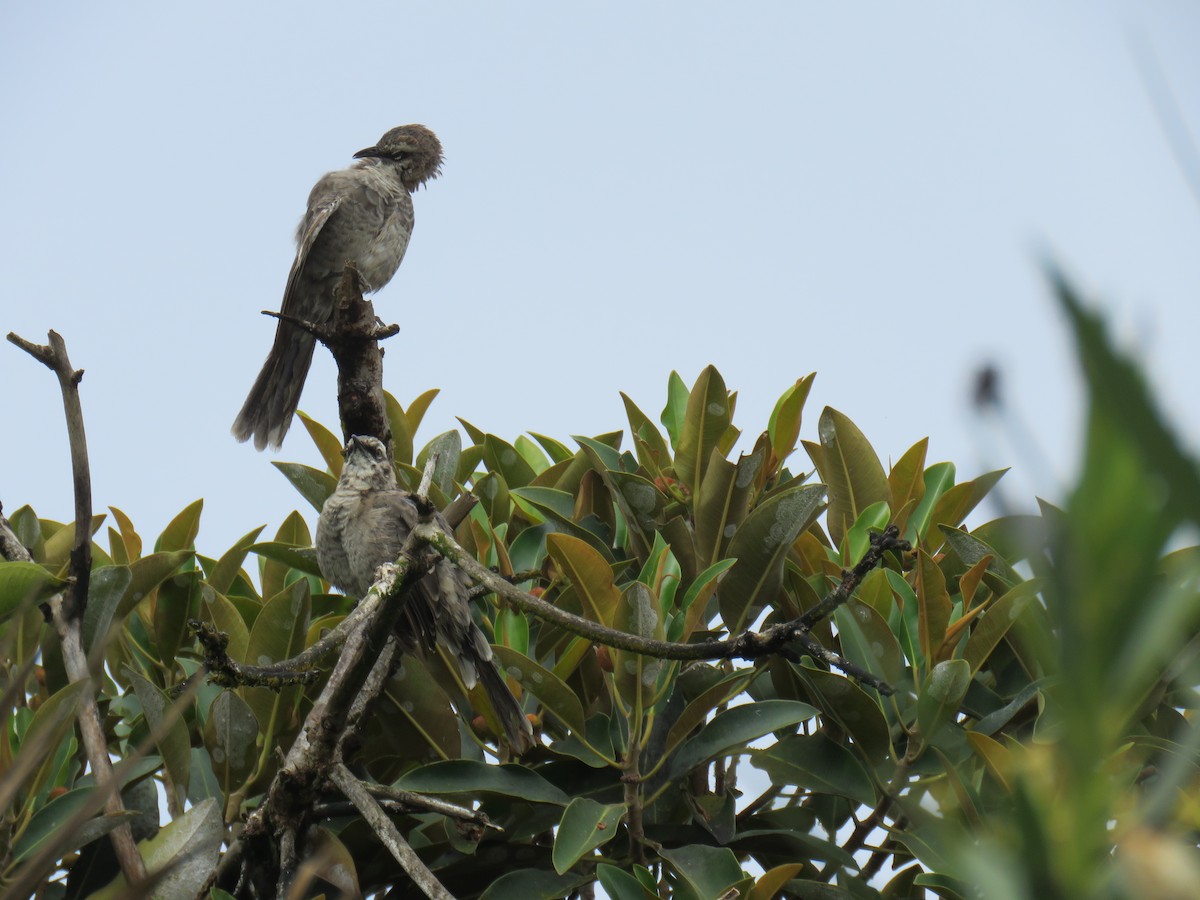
point(362, 214)
point(364, 524)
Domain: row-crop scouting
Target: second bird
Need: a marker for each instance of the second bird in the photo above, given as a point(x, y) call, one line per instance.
point(364, 215)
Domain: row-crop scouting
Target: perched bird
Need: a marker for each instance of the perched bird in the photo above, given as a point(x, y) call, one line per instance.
point(363, 525)
point(364, 215)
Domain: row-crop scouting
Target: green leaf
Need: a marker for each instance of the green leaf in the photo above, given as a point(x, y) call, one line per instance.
point(415, 414)
point(854, 709)
point(556, 450)
point(327, 443)
point(148, 573)
point(646, 435)
point(178, 600)
point(784, 424)
point(995, 622)
point(851, 470)
point(1116, 384)
point(302, 559)
point(180, 533)
point(49, 824)
point(314, 485)
point(218, 610)
point(173, 742)
point(230, 733)
point(933, 604)
point(402, 434)
point(620, 885)
point(941, 695)
point(636, 675)
point(129, 536)
point(702, 873)
point(25, 583)
point(674, 412)
point(189, 846)
point(815, 762)
point(723, 502)
point(704, 424)
point(696, 712)
point(502, 457)
point(585, 826)
point(553, 693)
point(761, 546)
point(589, 572)
point(939, 478)
point(970, 550)
point(466, 776)
point(533, 884)
point(278, 634)
point(733, 729)
point(226, 570)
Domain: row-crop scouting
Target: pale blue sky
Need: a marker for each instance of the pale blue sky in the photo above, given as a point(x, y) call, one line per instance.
point(856, 189)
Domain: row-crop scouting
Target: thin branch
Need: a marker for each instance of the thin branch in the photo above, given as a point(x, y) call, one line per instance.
point(54, 357)
point(388, 834)
point(410, 801)
point(747, 645)
point(67, 612)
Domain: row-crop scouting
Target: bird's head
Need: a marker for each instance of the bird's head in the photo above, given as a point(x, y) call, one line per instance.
point(414, 148)
point(368, 465)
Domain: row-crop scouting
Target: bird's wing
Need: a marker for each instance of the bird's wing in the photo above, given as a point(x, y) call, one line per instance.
point(343, 208)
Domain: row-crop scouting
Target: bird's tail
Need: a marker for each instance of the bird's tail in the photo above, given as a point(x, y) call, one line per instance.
point(267, 413)
point(517, 729)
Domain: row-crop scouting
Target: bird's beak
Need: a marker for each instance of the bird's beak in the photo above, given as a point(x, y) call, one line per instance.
point(353, 445)
point(368, 153)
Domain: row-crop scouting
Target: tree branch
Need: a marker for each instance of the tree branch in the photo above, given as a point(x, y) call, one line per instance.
point(66, 609)
point(388, 833)
point(747, 645)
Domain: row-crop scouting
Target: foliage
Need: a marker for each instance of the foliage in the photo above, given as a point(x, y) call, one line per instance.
point(1040, 741)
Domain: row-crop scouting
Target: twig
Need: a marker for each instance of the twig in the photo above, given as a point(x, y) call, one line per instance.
point(388, 834)
point(66, 611)
point(747, 645)
point(54, 357)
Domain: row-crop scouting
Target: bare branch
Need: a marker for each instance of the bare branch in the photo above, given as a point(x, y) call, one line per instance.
point(747, 645)
point(388, 834)
point(67, 611)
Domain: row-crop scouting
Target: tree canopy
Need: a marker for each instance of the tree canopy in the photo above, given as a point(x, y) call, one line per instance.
point(833, 688)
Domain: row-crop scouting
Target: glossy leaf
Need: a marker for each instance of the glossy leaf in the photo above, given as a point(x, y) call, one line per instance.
point(186, 847)
point(851, 471)
point(465, 776)
point(636, 675)
point(761, 545)
point(733, 729)
point(314, 485)
point(675, 411)
point(327, 443)
point(934, 605)
point(170, 731)
point(585, 826)
point(180, 533)
point(589, 572)
point(551, 691)
point(703, 873)
point(24, 583)
point(230, 733)
point(784, 424)
point(704, 424)
point(819, 764)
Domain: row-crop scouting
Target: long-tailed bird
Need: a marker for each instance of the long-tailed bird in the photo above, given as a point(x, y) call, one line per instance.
point(364, 215)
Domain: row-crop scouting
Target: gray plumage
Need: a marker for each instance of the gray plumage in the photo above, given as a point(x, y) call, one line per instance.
point(363, 214)
point(363, 525)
